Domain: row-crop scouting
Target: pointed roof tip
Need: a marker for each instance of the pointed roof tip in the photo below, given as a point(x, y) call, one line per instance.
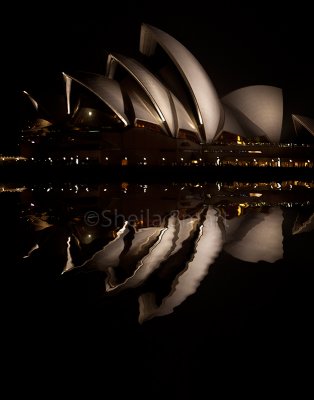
point(196, 80)
point(300, 116)
point(306, 122)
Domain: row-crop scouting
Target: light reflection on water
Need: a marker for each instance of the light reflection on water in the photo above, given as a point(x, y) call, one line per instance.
point(158, 240)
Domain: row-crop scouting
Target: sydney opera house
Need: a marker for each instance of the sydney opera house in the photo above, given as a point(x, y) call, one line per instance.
point(162, 110)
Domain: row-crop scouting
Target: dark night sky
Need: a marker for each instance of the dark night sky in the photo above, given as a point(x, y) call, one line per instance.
point(238, 46)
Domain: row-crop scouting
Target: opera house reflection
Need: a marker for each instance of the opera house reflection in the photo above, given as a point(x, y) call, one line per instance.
point(157, 241)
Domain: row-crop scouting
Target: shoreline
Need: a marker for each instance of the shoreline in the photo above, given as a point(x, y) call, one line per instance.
point(43, 173)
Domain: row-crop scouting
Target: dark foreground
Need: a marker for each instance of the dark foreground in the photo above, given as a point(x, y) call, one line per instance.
point(246, 331)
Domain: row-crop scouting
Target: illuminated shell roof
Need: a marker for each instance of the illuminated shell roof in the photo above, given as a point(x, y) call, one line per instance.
point(107, 90)
point(231, 124)
point(259, 109)
point(154, 89)
point(181, 96)
point(169, 109)
point(142, 107)
point(200, 86)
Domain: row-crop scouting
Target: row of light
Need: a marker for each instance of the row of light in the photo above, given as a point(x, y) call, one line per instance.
point(284, 185)
point(195, 161)
point(288, 204)
point(87, 158)
point(13, 158)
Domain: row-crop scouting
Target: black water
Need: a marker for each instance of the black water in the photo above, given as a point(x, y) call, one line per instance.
point(157, 283)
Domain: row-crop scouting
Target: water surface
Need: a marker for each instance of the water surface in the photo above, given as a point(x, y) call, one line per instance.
point(160, 272)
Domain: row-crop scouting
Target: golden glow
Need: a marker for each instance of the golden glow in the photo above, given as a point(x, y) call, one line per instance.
point(12, 158)
point(255, 194)
point(241, 207)
point(4, 189)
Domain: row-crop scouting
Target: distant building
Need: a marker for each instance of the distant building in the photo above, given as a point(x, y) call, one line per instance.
point(166, 114)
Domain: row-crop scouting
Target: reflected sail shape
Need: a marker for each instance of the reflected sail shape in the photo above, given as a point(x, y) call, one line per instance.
point(108, 256)
point(256, 237)
point(142, 241)
point(207, 247)
point(35, 247)
point(158, 252)
point(38, 223)
point(186, 226)
point(69, 264)
point(162, 261)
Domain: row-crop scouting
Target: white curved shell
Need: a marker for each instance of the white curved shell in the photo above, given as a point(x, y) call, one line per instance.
point(155, 90)
point(200, 86)
point(143, 110)
point(107, 90)
point(260, 108)
point(231, 124)
point(169, 109)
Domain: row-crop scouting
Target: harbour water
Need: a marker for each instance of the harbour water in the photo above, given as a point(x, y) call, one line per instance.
point(161, 273)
